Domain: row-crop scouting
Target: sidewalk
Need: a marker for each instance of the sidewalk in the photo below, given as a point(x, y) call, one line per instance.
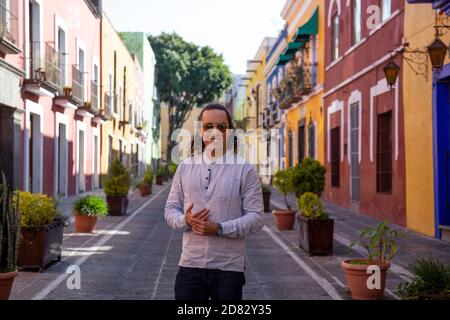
point(347, 226)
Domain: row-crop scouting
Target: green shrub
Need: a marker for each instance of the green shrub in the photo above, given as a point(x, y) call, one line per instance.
point(117, 181)
point(36, 210)
point(161, 172)
point(308, 176)
point(283, 182)
point(148, 176)
point(311, 206)
point(266, 188)
point(173, 168)
point(91, 206)
point(431, 279)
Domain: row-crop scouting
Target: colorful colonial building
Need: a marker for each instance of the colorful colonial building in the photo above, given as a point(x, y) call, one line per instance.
point(364, 124)
point(427, 118)
point(12, 66)
point(118, 91)
point(61, 142)
point(302, 88)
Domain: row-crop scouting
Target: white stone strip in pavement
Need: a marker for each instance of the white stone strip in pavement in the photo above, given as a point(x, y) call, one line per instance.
point(322, 282)
point(158, 279)
point(55, 283)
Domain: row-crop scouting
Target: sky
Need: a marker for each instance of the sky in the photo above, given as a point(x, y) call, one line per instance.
point(234, 28)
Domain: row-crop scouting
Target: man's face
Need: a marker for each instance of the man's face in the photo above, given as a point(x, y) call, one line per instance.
point(214, 124)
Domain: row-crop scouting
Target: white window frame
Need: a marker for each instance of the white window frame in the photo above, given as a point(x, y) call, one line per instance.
point(61, 119)
point(80, 45)
point(32, 108)
point(61, 24)
point(81, 126)
point(95, 156)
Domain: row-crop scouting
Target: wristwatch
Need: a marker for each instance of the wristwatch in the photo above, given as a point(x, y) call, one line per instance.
point(219, 230)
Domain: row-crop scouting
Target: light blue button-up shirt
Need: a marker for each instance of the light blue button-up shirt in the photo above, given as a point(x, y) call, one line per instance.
point(232, 191)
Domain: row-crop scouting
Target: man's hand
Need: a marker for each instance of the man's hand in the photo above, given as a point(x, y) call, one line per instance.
point(191, 217)
point(204, 228)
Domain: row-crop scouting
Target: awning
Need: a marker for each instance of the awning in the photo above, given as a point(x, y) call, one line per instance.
point(294, 46)
point(309, 28)
point(284, 59)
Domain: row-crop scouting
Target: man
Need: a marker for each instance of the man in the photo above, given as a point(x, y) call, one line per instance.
point(217, 204)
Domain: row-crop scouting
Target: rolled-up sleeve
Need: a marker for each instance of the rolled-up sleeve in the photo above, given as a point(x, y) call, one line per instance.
point(174, 210)
point(252, 219)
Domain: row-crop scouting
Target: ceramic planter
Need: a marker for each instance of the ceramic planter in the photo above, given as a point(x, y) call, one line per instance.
point(316, 236)
point(6, 283)
point(266, 198)
point(357, 276)
point(285, 220)
point(145, 189)
point(159, 180)
point(85, 224)
point(40, 246)
point(117, 205)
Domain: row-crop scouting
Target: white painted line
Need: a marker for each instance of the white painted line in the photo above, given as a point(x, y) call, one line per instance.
point(329, 289)
point(158, 279)
point(55, 283)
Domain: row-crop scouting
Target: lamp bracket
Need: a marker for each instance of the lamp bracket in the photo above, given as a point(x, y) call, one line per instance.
point(442, 25)
point(417, 59)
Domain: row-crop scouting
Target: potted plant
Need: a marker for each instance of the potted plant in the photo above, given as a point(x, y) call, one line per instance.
point(431, 281)
point(116, 187)
point(86, 211)
point(145, 187)
point(266, 191)
point(160, 173)
point(172, 169)
point(67, 91)
point(284, 219)
point(381, 248)
point(315, 227)
point(9, 239)
point(41, 229)
point(308, 176)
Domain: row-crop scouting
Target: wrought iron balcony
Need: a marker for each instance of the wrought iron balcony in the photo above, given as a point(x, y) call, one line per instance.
point(9, 28)
point(77, 85)
point(45, 68)
point(299, 83)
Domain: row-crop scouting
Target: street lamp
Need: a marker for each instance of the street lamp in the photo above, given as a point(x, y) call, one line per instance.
point(391, 72)
point(437, 51)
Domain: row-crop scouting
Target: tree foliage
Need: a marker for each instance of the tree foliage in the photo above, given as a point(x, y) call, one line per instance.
point(187, 75)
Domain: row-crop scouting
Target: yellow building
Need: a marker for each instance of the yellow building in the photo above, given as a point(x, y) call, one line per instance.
point(118, 79)
point(426, 126)
point(255, 100)
point(301, 90)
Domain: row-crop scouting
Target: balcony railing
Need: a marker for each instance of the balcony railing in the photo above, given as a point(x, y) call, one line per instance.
point(299, 84)
point(45, 65)
point(107, 103)
point(77, 85)
point(94, 95)
point(9, 28)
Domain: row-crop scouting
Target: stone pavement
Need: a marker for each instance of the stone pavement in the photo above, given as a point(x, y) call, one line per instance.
point(136, 257)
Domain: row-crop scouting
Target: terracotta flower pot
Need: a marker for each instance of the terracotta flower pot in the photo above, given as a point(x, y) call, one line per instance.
point(357, 277)
point(6, 283)
point(266, 198)
point(145, 189)
point(85, 224)
point(285, 220)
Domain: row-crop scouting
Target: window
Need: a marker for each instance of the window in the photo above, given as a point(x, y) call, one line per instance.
point(335, 44)
point(385, 9)
point(356, 21)
point(384, 152)
point(335, 157)
point(291, 149)
point(312, 140)
point(301, 142)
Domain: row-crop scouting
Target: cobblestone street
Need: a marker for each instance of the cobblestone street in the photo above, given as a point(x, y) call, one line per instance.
point(136, 257)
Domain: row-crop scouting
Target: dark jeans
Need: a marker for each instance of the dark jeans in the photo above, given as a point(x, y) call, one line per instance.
point(202, 284)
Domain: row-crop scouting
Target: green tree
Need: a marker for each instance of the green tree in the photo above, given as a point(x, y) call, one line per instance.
point(187, 76)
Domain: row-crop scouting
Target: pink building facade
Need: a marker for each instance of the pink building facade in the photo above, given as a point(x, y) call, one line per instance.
point(60, 150)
